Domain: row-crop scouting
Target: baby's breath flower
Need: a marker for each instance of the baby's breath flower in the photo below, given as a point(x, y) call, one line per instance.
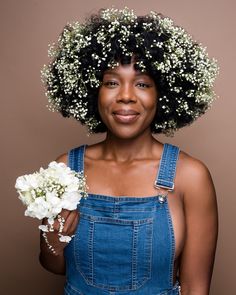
point(183, 65)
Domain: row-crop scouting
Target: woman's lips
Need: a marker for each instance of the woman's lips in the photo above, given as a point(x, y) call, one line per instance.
point(124, 116)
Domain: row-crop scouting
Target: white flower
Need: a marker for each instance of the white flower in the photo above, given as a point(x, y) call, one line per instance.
point(70, 200)
point(38, 209)
point(27, 182)
point(44, 228)
point(26, 197)
point(65, 239)
point(55, 204)
point(47, 192)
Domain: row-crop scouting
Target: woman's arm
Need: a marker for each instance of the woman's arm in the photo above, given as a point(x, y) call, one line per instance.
point(55, 262)
point(51, 262)
point(200, 207)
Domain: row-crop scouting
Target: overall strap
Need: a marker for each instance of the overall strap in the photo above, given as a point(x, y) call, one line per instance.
point(76, 158)
point(167, 168)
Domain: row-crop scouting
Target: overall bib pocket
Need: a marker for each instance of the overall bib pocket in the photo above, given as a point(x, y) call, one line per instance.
point(69, 290)
point(114, 254)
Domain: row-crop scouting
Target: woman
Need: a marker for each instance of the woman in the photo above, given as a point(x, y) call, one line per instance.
point(149, 224)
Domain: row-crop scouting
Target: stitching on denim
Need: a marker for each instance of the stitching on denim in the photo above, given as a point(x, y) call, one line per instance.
point(75, 158)
point(106, 198)
point(169, 222)
point(91, 243)
point(76, 164)
point(150, 246)
point(134, 257)
point(112, 210)
point(65, 292)
point(78, 258)
point(172, 234)
point(82, 156)
point(72, 288)
point(175, 288)
point(101, 219)
point(146, 276)
point(163, 162)
point(165, 182)
point(176, 160)
point(158, 171)
point(167, 167)
point(80, 162)
point(70, 159)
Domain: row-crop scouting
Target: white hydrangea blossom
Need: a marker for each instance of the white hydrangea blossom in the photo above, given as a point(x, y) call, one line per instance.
point(46, 192)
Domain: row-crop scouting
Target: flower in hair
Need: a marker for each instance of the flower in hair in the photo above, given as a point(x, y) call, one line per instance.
point(182, 70)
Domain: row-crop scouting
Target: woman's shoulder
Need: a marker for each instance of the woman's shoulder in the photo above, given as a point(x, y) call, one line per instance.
point(64, 157)
point(192, 167)
point(193, 175)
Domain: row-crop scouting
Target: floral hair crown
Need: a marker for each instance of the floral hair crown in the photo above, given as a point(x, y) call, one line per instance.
point(183, 69)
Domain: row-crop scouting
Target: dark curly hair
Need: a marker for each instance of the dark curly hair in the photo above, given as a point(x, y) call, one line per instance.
point(179, 66)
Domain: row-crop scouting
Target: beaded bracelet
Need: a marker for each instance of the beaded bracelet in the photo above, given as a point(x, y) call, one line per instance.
point(62, 238)
point(49, 246)
point(61, 221)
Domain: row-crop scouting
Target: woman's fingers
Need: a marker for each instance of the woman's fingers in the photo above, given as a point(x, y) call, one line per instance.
point(69, 222)
point(68, 216)
point(74, 224)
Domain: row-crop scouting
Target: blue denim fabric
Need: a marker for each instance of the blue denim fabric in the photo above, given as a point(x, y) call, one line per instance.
point(123, 245)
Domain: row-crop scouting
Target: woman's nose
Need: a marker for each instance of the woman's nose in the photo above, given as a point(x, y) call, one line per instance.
point(126, 94)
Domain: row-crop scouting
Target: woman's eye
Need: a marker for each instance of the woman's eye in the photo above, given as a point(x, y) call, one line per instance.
point(143, 85)
point(110, 83)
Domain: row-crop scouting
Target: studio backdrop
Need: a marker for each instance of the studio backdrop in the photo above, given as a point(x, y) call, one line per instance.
point(31, 136)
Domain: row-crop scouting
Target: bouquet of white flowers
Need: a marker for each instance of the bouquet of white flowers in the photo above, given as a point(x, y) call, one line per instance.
point(48, 191)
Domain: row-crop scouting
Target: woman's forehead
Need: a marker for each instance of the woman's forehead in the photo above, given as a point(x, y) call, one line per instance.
point(126, 68)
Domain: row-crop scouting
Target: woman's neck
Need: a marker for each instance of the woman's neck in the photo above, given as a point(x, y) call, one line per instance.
point(123, 149)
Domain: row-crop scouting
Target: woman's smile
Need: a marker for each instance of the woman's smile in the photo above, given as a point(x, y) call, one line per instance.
point(125, 115)
point(127, 100)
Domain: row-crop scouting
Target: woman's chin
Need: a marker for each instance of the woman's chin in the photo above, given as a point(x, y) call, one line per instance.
point(127, 132)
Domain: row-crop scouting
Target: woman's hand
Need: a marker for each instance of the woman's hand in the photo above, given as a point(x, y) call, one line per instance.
point(55, 262)
point(71, 220)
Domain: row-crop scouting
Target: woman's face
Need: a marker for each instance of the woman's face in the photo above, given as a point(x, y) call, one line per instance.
point(127, 101)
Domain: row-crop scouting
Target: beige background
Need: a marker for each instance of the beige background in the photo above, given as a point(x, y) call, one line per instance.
point(31, 136)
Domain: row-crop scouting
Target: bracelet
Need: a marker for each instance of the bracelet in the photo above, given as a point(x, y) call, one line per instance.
point(61, 221)
point(62, 238)
point(49, 246)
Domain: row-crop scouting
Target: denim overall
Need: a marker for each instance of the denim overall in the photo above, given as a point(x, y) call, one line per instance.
point(123, 245)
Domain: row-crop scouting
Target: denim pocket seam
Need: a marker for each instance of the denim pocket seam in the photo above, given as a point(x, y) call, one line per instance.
point(174, 289)
point(111, 209)
point(171, 231)
point(134, 224)
point(74, 290)
point(116, 220)
point(89, 277)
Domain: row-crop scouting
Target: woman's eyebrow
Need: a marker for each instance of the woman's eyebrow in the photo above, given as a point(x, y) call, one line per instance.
point(137, 73)
point(110, 72)
point(142, 74)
